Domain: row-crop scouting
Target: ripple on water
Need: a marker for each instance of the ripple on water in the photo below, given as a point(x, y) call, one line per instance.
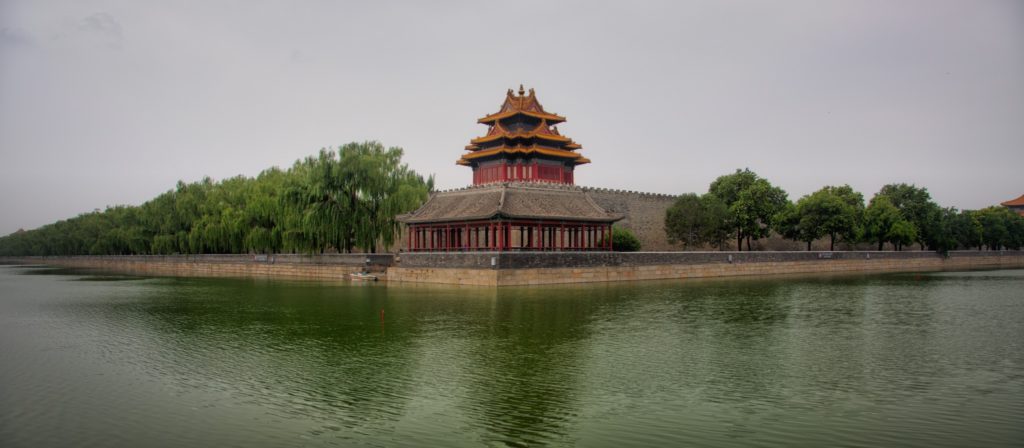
point(926, 360)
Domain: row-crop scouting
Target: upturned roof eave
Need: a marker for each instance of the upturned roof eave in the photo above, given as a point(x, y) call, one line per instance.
point(1019, 202)
point(552, 118)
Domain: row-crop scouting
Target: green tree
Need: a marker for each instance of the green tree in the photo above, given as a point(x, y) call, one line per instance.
point(835, 212)
point(752, 201)
point(349, 198)
point(697, 220)
point(623, 240)
point(901, 233)
point(1001, 228)
point(915, 205)
point(879, 218)
point(966, 230)
point(789, 224)
point(338, 200)
point(382, 188)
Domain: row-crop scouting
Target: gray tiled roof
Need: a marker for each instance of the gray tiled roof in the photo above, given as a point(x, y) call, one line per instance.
point(518, 200)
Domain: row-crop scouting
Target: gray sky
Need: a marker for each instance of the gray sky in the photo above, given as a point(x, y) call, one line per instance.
point(112, 102)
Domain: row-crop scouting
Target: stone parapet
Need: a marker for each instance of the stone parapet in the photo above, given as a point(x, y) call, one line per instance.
point(527, 259)
point(327, 266)
point(568, 267)
point(537, 268)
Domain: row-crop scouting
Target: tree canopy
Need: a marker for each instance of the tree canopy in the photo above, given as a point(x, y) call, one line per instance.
point(831, 211)
point(752, 202)
point(344, 199)
point(697, 220)
point(749, 207)
point(623, 240)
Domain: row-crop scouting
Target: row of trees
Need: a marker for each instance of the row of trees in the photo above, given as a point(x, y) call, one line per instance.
point(337, 200)
point(747, 207)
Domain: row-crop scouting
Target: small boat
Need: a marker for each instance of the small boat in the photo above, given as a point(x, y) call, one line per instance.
point(363, 276)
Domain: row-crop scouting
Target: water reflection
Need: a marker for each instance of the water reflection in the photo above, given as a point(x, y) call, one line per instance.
point(294, 350)
point(849, 360)
point(526, 367)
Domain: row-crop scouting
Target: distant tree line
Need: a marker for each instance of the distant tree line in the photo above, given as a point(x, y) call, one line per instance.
point(342, 200)
point(744, 206)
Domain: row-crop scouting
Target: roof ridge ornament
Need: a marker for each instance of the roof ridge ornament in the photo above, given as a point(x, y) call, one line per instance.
point(523, 92)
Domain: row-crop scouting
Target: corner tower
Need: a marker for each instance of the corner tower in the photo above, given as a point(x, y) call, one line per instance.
point(522, 144)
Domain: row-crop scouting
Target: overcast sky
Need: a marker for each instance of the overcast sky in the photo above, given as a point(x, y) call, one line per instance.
point(112, 102)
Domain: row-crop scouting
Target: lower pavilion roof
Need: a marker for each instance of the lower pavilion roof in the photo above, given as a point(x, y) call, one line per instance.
point(511, 200)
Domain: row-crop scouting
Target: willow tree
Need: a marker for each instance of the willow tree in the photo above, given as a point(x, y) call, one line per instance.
point(341, 200)
point(380, 187)
point(349, 198)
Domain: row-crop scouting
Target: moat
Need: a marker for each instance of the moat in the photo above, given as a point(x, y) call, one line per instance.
point(903, 359)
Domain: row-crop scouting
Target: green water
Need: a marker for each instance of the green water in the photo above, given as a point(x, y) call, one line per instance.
point(892, 360)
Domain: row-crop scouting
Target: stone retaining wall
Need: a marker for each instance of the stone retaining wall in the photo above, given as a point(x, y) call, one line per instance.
point(332, 266)
point(538, 268)
point(552, 268)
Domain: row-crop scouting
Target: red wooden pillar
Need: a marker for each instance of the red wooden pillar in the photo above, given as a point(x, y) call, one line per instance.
point(539, 238)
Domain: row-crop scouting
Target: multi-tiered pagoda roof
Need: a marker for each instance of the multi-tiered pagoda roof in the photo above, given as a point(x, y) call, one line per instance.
point(519, 135)
point(523, 195)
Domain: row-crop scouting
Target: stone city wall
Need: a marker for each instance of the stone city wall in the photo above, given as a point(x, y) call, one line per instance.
point(329, 266)
point(644, 214)
point(494, 269)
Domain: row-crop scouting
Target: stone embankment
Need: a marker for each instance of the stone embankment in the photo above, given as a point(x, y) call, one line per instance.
point(524, 268)
point(537, 268)
point(323, 267)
